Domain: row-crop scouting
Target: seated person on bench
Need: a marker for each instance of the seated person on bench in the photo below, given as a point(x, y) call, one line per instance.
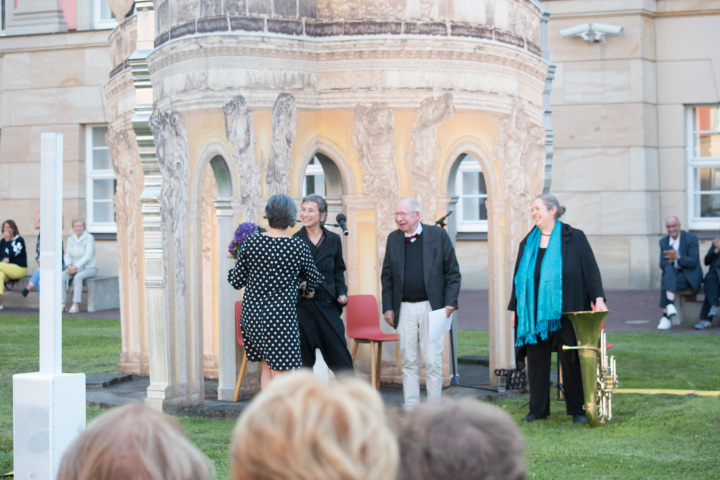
point(680, 265)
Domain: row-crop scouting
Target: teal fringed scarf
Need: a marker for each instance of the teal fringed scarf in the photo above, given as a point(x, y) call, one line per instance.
point(549, 304)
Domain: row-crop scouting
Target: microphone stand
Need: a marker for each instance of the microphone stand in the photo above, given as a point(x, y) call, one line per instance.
point(441, 222)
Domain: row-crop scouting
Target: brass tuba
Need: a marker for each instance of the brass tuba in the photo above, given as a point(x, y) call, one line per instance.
point(599, 378)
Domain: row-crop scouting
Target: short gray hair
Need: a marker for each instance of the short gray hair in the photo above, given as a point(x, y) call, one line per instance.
point(550, 201)
point(281, 211)
point(460, 439)
point(321, 203)
point(414, 205)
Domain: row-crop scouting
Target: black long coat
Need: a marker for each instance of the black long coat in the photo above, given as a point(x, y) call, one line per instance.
point(581, 280)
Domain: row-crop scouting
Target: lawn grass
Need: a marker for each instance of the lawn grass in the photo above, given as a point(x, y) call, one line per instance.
point(657, 437)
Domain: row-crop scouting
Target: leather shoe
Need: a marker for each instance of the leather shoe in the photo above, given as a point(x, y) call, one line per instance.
point(530, 418)
point(580, 419)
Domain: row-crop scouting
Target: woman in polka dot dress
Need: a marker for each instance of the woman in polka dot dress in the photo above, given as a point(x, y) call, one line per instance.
point(269, 265)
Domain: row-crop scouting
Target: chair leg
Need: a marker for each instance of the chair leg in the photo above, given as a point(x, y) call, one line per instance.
point(378, 364)
point(373, 373)
point(355, 349)
point(243, 367)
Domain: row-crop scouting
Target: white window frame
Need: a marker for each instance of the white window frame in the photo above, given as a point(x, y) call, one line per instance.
point(314, 169)
point(100, 23)
point(90, 175)
point(471, 165)
point(694, 162)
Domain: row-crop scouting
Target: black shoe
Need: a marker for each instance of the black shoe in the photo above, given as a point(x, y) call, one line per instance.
point(580, 419)
point(25, 292)
point(530, 418)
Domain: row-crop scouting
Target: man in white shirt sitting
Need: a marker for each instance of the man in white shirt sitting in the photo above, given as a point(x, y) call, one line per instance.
point(680, 264)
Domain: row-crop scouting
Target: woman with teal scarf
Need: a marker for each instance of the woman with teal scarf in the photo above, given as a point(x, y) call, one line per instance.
point(555, 272)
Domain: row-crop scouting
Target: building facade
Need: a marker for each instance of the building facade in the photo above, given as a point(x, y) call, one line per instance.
point(360, 101)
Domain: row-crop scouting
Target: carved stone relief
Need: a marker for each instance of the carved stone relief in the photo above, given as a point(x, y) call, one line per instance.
point(522, 149)
point(239, 132)
point(171, 143)
point(129, 175)
point(279, 165)
point(374, 142)
point(424, 151)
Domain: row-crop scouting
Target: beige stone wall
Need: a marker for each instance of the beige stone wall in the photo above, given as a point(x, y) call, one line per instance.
point(620, 126)
point(50, 83)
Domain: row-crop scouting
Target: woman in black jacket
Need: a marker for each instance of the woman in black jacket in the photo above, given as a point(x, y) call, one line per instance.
point(13, 256)
point(555, 272)
point(319, 317)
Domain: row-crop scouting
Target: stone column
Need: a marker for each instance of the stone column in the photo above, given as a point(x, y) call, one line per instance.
point(120, 105)
point(227, 343)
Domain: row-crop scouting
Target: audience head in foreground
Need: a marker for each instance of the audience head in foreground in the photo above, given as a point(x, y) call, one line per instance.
point(302, 429)
point(461, 439)
point(134, 442)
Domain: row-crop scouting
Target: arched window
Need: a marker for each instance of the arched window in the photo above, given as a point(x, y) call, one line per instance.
point(314, 179)
point(472, 197)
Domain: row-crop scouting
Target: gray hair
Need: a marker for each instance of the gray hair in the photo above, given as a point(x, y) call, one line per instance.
point(321, 203)
point(280, 211)
point(550, 201)
point(414, 205)
point(460, 439)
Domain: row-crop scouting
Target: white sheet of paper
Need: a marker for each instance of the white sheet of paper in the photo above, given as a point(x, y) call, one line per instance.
point(438, 324)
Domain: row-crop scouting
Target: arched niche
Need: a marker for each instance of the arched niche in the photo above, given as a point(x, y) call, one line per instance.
point(498, 251)
point(212, 298)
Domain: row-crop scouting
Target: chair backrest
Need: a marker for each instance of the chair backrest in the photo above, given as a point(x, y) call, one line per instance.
point(238, 332)
point(361, 314)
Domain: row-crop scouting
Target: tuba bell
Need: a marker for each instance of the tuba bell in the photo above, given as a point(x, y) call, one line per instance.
point(599, 376)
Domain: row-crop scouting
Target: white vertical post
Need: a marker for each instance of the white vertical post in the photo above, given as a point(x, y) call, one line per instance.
point(48, 406)
point(51, 174)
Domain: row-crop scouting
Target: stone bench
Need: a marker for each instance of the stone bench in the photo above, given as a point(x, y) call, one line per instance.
point(99, 293)
point(688, 305)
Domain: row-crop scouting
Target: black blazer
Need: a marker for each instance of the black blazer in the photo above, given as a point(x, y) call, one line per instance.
point(712, 259)
point(329, 262)
point(689, 251)
point(440, 269)
point(581, 280)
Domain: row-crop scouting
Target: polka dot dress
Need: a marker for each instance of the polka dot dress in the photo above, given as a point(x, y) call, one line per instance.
point(270, 268)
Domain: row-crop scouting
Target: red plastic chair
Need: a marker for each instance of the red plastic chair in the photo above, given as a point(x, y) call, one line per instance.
point(238, 333)
point(363, 326)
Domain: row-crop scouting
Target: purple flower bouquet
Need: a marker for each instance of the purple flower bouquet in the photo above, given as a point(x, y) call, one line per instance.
point(243, 231)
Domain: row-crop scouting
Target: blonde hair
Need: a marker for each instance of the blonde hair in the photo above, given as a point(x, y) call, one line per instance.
point(134, 441)
point(77, 219)
point(300, 428)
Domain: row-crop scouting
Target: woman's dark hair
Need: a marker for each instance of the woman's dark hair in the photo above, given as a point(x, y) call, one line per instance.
point(13, 226)
point(550, 201)
point(281, 211)
point(321, 203)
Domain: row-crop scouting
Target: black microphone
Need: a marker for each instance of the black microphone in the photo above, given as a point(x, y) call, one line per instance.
point(341, 219)
point(441, 222)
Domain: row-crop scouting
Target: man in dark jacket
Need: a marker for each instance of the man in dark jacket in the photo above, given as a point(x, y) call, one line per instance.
point(680, 264)
point(712, 286)
point(420, 273)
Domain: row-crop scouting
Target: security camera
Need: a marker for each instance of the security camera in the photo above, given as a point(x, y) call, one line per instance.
point(597, 32)
point(577, 31)
point(606, 29)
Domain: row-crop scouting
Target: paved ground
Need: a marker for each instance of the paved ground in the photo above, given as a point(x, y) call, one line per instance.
point(632, 311)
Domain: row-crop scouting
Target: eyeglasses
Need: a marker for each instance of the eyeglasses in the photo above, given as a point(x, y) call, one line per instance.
point(403, 214)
